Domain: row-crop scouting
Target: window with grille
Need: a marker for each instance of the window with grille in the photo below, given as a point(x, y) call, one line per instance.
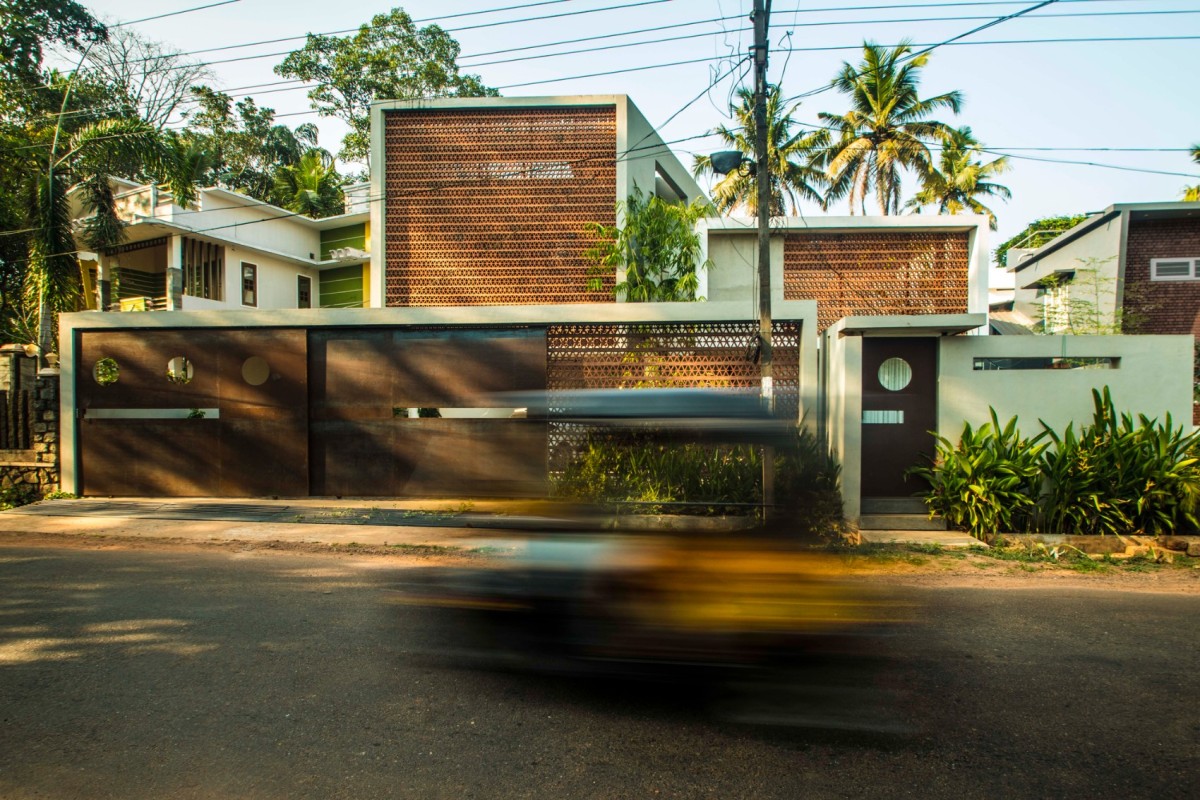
point(203, 269)
point(303, 291)
point(1174, 269)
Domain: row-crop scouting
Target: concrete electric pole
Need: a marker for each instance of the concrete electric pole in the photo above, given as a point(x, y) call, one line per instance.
point(761, 18)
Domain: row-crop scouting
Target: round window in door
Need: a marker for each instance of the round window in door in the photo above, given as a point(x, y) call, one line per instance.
point(895, 374)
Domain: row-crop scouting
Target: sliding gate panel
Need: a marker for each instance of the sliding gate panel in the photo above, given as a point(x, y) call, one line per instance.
point(179, 413)
point(402, 412)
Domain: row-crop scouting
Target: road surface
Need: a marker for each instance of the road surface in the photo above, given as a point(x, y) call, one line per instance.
point(155, 673)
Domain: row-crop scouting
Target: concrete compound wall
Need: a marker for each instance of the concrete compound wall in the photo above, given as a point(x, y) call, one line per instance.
point(1153, 377)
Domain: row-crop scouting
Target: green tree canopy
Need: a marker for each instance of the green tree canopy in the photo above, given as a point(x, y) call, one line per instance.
point(1037, 233)
point(956, 183)
point(27, 27)
point(793, 174)
point(240, 146)
point(388, 59)
point(886, 128)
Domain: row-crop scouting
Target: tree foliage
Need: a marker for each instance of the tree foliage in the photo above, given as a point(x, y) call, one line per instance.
point(656, 247)
point(28, 27)
point(147, 79)
point(389, 58)
point(240, 146)
point(1037, 233)
point(791, 157)
point(885, 130)
point(955, 184)
point(1192, 193)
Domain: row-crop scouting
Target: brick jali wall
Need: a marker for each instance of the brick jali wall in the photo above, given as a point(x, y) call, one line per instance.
point(488, 206)
point(893, 272)
point(1161, 306)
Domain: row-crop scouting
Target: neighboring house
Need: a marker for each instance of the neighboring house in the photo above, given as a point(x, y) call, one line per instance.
point(227, 251)
point(1132, 267)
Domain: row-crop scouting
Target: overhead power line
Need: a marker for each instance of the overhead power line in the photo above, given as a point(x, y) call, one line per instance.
point(171, 14)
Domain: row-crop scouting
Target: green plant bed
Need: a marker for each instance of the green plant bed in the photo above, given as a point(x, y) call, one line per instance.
point(1117, 476)
point(643, 474)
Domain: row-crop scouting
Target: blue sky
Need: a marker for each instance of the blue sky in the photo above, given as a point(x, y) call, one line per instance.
point(1120, 94)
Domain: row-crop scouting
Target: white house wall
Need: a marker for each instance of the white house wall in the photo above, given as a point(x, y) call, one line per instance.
point(276, 283)
point(256, 226)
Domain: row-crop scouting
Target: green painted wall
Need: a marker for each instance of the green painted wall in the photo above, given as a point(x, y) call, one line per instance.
point(342, 287)
point(348, 236)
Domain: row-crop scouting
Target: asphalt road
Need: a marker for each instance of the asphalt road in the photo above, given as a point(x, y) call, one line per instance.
point(191, 674)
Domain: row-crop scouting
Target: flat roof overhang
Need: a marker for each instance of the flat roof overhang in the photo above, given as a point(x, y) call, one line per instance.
point(909, 325)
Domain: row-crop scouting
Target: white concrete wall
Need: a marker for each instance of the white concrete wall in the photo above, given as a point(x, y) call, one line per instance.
point(1154, 378)
point(841, 369)
point(1094, 252)
point(276, 280)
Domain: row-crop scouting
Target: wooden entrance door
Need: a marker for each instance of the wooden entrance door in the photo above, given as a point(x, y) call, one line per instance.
point(899, 409)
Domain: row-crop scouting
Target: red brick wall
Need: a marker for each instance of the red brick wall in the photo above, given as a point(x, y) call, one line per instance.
point(488, 206)
point(1161, 306)
point(877, 272)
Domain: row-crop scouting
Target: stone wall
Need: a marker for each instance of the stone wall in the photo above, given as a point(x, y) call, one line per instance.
point(35, 471)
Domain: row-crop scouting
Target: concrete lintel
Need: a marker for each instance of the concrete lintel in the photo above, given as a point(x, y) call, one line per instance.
point(908, 325)
point(603, 313)
point(832, 224)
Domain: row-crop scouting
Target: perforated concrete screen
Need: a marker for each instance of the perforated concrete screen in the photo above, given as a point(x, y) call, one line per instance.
point(664, 356)
point(487, 206)
point(877, 272)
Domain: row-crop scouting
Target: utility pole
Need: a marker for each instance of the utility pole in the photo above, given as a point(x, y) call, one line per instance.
point(761, 17)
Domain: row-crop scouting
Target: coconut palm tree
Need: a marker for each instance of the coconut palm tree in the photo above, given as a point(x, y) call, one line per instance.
point(83, 164)
point(885, 130)
point(958, 180)
point(793, 174)
point(312, 186)
point(1192, 193)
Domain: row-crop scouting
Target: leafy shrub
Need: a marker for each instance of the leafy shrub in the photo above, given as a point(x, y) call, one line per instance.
point(17, 495)
point(1117, 476)
point(642, 469)
point(988, 482)
point(807, 486)
point(710, 479)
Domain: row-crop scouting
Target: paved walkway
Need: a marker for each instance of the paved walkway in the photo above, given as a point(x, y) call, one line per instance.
point(445, 523)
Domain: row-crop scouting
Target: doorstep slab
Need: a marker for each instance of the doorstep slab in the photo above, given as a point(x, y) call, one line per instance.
point(942, 538)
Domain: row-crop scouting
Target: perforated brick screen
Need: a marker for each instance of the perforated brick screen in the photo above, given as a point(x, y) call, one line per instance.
point(690, 355)
point(867, 273)
point(487, 206)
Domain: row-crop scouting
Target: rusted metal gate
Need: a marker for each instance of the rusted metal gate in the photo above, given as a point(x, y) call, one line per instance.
point(193, 413)
point(411, 412)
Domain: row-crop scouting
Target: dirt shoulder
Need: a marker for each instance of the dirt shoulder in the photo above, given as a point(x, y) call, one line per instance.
point(898, 565)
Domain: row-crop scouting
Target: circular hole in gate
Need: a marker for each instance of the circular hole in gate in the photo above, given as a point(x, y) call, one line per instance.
point(256, 370)
point(179, 370)
point(106, 372)
point(895, 374)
